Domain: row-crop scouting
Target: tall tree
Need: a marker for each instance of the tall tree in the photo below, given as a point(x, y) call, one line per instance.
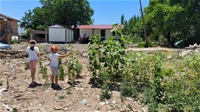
point(169, 16)
point(27, 20)
point(122, 19)
point(65, 12)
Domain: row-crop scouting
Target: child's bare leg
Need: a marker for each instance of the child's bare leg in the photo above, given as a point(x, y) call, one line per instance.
point(56, 80)
point(52, 79)
point(33, 75)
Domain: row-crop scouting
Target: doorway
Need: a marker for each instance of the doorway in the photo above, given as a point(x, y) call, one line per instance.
point(103, 35)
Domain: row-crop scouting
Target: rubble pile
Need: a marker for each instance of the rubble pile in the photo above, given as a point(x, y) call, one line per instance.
point(195, 46)
point(13, 54)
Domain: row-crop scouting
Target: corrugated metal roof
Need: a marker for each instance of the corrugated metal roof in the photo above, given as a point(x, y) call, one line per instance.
point(2, 16)
point(95, 26)
point(59, 26)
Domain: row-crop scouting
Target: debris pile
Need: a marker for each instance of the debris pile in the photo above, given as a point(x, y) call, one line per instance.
point(13, 54)
point(195, 46)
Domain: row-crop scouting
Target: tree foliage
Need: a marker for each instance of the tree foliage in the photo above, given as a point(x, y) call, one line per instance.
point(65, 12)
point(122, 19)
point(166, 18)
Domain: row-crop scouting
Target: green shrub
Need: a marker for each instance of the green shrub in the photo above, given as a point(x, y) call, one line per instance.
point(15, 41)
point(74, 67)
point(41, 51)
point(128, 90)
point(27, 66)
point(162, 40)
point(61, 74)
point(136, 39)
point(43, 69)
point(105, 92)
point(79, 68)
point(142, 44)
point(165, 81)
point(14, 110)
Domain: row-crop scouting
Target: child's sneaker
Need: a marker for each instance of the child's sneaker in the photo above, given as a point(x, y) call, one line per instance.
point(57, 87)
point(52, 85)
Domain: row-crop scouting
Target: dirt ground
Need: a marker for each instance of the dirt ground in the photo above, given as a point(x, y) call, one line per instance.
point(83, 97)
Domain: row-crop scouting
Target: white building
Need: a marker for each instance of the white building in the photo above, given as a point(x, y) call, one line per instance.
point(60, 33)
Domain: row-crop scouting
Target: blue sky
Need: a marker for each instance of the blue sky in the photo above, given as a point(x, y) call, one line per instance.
point(105, 11)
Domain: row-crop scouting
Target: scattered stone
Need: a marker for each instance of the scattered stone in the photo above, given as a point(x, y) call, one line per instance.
point(96, 98)
point(50, 110)
point(23, 98)
point(65, 109)
point(12, 92)
point(88, 105)
point(112, 108)
point(102, 103)
point(58, 108)
point(17, 96)
point(130, 99)
point(40, 105)
point(84, 54)
point(47, 91)
point(6, 73)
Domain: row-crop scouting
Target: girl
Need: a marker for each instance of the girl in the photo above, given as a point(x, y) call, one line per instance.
point(54, 66)
point(34, 54)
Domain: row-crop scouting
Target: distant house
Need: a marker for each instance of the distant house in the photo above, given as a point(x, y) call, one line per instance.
point(38, 35)
point(8, 28)
point(60, 33)
point(103, 30)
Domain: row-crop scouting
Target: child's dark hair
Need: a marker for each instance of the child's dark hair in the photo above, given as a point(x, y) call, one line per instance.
point(32, 42)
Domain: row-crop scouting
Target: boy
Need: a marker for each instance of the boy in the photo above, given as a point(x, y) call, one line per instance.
point(54, 66)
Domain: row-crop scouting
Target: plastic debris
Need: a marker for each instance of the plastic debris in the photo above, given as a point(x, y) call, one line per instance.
point(2, 90)
point(83, 101)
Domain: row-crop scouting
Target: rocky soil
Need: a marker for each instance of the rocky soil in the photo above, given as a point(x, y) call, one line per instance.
point(84, 97)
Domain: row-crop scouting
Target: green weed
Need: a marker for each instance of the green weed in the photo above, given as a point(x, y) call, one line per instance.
point(26, 65)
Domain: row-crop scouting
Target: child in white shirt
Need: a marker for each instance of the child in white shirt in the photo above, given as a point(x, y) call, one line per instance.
point(54, 66)
point(34, 54)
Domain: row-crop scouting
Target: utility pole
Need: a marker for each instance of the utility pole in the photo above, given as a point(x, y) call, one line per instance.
point(145, 34)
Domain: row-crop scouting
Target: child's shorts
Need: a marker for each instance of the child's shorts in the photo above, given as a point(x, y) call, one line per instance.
point(33, 64)
point(54, 70)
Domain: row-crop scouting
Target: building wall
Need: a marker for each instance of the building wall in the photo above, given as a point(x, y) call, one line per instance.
point(12, 25)
point(2, 25)
point(108, 34)
point(96, 31)
point(69, 35)
point(89, 32)
point(56, 34)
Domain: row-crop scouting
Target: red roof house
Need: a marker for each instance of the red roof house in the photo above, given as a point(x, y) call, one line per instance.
point(103, 30)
